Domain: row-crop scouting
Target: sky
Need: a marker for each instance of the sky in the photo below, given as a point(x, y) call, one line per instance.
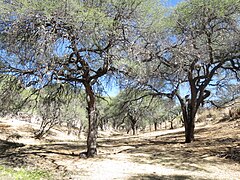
point(172, 2)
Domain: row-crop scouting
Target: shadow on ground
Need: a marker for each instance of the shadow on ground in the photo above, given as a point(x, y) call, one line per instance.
point(211, 146)
point(6, 145)
point(163, 177)
point(18, 155)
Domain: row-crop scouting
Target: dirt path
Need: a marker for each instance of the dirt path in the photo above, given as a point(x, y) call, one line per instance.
point(123, 167)
point(138, 159)
point(155, 155)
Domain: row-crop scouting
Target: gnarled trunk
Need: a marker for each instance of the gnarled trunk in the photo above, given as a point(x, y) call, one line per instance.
point(92, 121)
point(189, 113)
point(189, 125)
point(133, 123)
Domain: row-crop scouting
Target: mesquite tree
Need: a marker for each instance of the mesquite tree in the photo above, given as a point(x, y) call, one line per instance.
point(208, 53)
point(197, 51)
point(73, 41)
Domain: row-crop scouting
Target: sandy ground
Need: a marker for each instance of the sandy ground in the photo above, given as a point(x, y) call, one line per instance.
point(155, 155)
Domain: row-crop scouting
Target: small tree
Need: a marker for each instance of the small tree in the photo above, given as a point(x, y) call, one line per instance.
point(49, 110)
point(49, 107)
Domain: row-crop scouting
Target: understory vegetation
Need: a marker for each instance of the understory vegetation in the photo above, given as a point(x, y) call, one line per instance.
point(9, 173)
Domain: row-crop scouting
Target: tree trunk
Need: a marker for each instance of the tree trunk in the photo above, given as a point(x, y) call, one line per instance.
point(171, 125)
point(155, 126)
point(189, 110)
point(133, 125)
point(114, 124)
point(128, 130)
point(92, 121)
point(189, 129)
point(101, 124)
point(189, 114)
point(69, 126)
point(134, 129)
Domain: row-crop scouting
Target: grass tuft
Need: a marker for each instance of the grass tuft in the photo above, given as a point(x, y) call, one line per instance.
point(23, 174)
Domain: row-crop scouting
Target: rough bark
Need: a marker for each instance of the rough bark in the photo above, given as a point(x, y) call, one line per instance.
point(189, 110)
point(92, 121)
point(189, 129)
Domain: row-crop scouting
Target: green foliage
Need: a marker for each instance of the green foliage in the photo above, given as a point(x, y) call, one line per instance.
point(26, 6)
point(219, 7)
point(43, 28)
point(155, 17)
point(11, 94)
point(137, 106)
point(59, 104)
point(74, 112)
point(23, 174)
point(197, 12)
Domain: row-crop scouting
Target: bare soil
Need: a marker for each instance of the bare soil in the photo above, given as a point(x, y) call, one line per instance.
point(156, 155)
